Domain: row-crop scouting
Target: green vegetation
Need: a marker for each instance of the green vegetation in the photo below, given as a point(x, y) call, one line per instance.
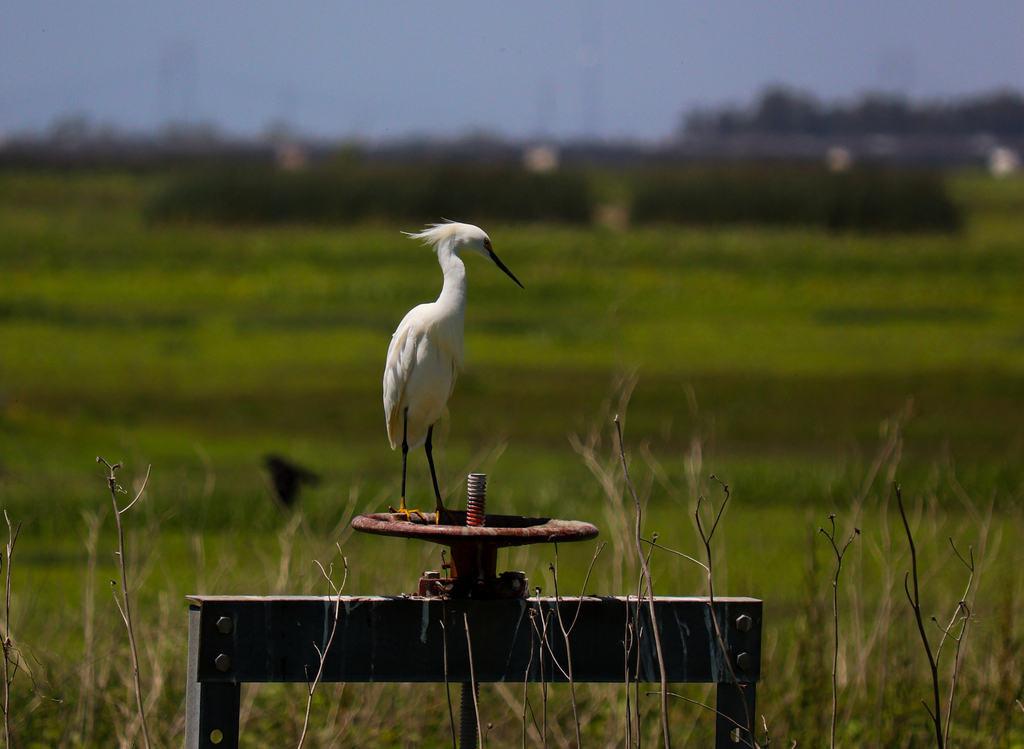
point(770, 357)
point(349, 193)
point(861, 200)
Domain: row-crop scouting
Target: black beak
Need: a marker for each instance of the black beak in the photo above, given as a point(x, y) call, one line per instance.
point(502, 266)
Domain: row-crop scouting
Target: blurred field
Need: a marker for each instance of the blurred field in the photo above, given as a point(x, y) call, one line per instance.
point(767, 356)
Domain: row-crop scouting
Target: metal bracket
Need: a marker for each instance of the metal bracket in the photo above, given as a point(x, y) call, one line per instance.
point(235, 639)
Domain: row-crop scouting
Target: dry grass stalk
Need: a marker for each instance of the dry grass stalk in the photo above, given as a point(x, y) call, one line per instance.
point(541, 632)
point(286, 538)
point(638, 628)
point(866, 638)
point(8, 644)
point(840, 553)
point(447, 689)
point(915, 603)
point(85, 716)
point(327, 646)
point(473, 687)
point(612, 483)
point(123, 605)
point(666, 735)
point(553, 568)
point(566, 631)
point(709, 567)
point(698, 703)
point(960, 617)
point(506, 694)
point(627, 644)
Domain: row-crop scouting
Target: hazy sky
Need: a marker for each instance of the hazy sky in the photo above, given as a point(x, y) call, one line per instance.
point(392, 69)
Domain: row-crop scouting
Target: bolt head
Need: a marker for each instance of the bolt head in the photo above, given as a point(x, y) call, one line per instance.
point(222, 662)
point(225, 625)
point(744, 623)
point(744, 661)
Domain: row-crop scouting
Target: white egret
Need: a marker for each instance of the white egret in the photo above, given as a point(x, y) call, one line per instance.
point(425, 354)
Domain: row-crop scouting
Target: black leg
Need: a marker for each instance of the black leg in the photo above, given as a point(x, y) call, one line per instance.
point(429, 447)
point(439, 508)
point(405, 449)
point(405, 460)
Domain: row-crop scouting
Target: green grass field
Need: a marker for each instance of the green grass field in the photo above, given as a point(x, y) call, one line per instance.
point(771, 358)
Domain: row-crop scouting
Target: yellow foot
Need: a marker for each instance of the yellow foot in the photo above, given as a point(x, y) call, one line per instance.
point(403, 510)
point(437, 516)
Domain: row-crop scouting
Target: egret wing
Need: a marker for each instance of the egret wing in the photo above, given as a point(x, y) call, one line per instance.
point(400, 362)
point(455, 376)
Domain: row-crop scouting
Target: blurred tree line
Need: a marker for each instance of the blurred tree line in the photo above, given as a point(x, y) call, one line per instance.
point(349, 192)
point(785, 111)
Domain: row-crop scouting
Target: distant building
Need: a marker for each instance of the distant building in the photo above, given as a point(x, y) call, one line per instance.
point(838, 159)
point(291, 157)
point(541, 159)
point(1003, 162)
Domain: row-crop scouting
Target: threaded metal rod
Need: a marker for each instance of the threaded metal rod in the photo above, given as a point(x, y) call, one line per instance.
point(476, 499)
point(467, 717)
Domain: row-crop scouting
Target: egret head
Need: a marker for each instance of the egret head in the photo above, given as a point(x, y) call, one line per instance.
point(463, 236)
point(477, 240)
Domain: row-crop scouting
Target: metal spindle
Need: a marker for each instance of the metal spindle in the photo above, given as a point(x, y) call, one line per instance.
point(476, 499)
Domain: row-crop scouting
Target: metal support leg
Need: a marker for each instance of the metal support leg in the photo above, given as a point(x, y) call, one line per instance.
point(211, 710)
point(467, 717)
point(218, 716)
point(732, 714)
point(192, 686)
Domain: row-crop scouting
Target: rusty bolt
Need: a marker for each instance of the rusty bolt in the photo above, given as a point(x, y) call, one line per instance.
point(224, 625)
point(476, 499)
point(222, 662)
point(744, 661)
point(744, 623)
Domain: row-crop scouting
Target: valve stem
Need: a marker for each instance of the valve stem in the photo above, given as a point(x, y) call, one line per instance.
point(476, 499)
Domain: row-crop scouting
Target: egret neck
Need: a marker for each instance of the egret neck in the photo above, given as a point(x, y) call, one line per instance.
point(451, 304)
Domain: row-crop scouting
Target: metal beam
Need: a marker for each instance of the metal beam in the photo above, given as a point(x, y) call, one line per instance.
point(401, 639)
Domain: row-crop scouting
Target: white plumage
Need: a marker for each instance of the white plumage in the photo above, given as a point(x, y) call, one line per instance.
point(425, 354)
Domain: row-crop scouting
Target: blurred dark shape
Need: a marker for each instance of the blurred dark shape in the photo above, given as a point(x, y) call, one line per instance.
point(868, 200)
point(783, 111)
point(287, 478)
point(70, 131)
point(347, 193)
point(786, 111)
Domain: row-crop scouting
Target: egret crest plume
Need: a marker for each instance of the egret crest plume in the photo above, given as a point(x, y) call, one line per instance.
point(435, 233)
